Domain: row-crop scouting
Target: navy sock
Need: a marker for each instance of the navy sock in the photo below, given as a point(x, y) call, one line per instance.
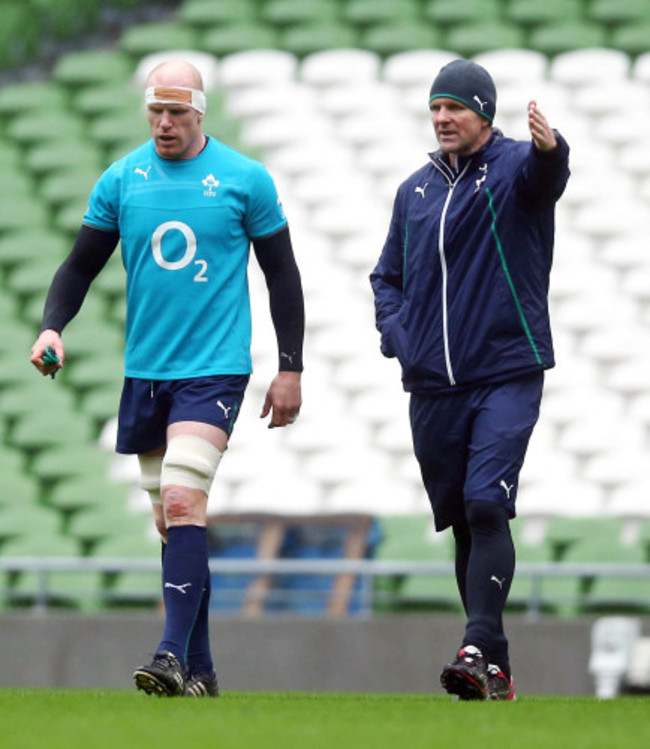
point(490, 569)
point(185, 562)
point(199, 657)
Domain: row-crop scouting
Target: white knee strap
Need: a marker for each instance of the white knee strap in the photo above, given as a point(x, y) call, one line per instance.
point(150, 469)
point(190, 461)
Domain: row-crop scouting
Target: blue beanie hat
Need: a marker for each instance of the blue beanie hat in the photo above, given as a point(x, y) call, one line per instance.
point(468, 83)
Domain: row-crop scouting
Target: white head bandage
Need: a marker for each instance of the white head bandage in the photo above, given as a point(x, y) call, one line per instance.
point(191, 97)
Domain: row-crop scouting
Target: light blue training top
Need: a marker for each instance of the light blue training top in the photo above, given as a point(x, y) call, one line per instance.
point(185, 229)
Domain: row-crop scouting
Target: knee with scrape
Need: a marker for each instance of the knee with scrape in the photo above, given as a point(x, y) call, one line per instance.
point(190, 461)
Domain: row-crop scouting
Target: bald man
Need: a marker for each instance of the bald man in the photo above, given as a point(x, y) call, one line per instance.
point(186, 209)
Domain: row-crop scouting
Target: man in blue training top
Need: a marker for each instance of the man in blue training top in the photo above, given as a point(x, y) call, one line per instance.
point(185, 208)
point(461, 300)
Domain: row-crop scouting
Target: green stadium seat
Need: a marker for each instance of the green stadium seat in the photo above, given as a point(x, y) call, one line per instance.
point(144, 39)
point(305, 40)
point(18, 212)
point(14, 179)
point(68, 218)
point(25, 520)
point(78, 589)
point(68, 461)
point(34, 394)
point(406, 538)
point(459, 12)
point(69, 185)
point(32, 433)
point(618, 12)
point(284, 14)
point(101, 100)
point(107, 520)
point(474, 38)
point(556, 38)
point(92, 68)
point(89, 491)
point(112, 129)
point(532, 13)
point(16, 337)
point(26, 96)
point(387, 40)
point(132, 587)
point(42, 125)
point(204, 14)
point(111, 282)
point(61, 155)
point(97, 372)
point(632, 38)
point(238, 38)
point(17, 487)
point(33, 278)
point(100, 405)
point(19, 247)
point(364, 14)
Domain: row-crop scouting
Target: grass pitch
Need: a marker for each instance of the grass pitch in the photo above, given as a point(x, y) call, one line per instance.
point(66, 719)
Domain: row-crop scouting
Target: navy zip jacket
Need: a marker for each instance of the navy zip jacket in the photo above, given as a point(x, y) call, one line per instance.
point(461, 288)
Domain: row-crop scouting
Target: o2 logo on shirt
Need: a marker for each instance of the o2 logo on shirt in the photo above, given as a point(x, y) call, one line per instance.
point(190, 249)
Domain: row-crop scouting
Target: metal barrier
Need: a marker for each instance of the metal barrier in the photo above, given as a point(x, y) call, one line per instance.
point(366, 570)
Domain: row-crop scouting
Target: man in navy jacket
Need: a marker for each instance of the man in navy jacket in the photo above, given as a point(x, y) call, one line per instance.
point(461, 297)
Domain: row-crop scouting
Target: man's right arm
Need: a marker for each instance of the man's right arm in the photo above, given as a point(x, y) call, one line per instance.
point(90, 253)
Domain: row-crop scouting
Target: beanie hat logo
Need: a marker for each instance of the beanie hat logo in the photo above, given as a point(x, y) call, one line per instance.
point(479, 102)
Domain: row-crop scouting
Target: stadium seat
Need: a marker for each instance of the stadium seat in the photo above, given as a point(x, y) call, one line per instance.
point(32, 279)
point(415, 69)
point(557, 38)
point(67, 461)
point(339, 67)
point(237, 38)
point(390, 39)
point(256, 67)
point(158, 36)
point(75, 70)
point(25, 96)
point(104, 99)
point(42, 126)
point(459, 13)
point(579, 67)
point(305, 40)
point(283, 14)
point(57, 155)
point(475, 38)
point(205, 14)
point(119, 127)
point(83, 492)
point(641, 68)
point(532, 13)
point(19, 247)
point(618, 12)
point(30, 436)
point(69, 186)
point(364, 14)
point(508, 66)
point(632, 38)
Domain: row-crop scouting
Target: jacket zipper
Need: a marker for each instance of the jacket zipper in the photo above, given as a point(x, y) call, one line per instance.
point(443, 266)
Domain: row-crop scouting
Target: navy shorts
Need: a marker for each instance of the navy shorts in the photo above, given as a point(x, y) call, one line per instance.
point(148, 407)
point(471, 444)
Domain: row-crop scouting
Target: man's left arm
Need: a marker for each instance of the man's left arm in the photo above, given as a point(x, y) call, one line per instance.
point(275, 256)
point(546, 171)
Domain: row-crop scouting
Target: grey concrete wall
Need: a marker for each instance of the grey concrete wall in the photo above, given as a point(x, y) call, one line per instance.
point(384, 654)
